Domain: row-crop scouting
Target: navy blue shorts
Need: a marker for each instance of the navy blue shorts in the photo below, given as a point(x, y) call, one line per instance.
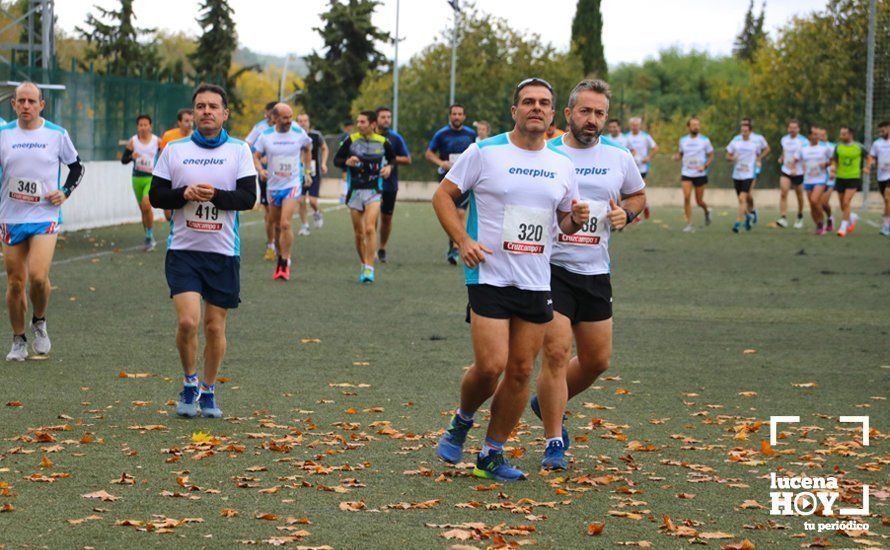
point(216, 277)
point(314, 189)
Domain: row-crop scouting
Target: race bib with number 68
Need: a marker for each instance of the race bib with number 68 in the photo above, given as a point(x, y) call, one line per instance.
point(526, 230)
point(591, 233)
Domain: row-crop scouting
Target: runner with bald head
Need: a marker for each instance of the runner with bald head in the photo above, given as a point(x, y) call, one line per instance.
point(286, 148)
point(32, 151)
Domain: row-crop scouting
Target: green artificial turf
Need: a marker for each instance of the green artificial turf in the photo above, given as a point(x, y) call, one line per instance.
point(687, 307)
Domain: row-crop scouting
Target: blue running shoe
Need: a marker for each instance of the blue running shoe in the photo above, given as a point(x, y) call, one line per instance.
point(451, 444)
point(754, 216)
point(369, 275)
point(495, 466)
point(209, 409)
point(736, 227)
point(749, 223)
point(554, 457)
point(536, 408)
point(188, 401)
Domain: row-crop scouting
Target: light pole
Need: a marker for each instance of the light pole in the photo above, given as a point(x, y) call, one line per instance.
point(395, 76)
point(455, 5)
point(869, 85)
point(283, 77)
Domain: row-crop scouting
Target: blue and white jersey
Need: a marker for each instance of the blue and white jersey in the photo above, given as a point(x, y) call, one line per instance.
point(31, 161)
point(255, 132)
point(449, 143)
point(831, 147)
point(694, 151)
point(813, 160)
point(514, 196)
point(619, 139)
point(282, 152)
point(790, 146)
point(880, 149)
point(746, 152)
point(201, 226)
point(603, 172)
point(640, 145)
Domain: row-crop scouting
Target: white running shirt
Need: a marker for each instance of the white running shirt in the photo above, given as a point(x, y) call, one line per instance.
point(790, 147)
point(604, 171)
point(514, 197)
point(144, 164)
point(746, 152)
point(880, 149)
point(200, 226)
point(640, 144)
point(694, 153)
point(31, 162)
point(812, 161)
point(282, 152)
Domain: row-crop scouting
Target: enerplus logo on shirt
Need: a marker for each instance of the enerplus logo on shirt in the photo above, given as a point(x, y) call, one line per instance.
point(591, 171)
point(532, 172)
point(204, 162)
point(33, 145)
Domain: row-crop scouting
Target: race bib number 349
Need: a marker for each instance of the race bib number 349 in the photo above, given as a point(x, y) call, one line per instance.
point(25, 190)
point(526, 230)
point(591, 233)
point(202, 216)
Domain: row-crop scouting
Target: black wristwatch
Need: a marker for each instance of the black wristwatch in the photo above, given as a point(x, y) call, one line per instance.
point(630, 215)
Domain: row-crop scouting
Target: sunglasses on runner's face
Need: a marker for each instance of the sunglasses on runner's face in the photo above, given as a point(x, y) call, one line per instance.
point(534, 80)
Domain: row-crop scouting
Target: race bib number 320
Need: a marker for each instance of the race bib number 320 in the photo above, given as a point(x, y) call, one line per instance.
point(592, 232)
point(526, 230)
point(202, 216)
point(25, 190)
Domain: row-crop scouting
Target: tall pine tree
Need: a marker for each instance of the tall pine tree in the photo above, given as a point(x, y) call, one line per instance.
point(587, 38)
point(752, 35)
point(113, 40)
point(212, 59)
point(350, 52)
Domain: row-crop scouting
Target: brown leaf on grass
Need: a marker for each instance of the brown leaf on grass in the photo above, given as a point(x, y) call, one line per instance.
point(749, 351)
point(637, 446)
point(228, 512)
point(271, 490)
point(78, 521)
point(125, 479)
point(123, 374)
point(413, 506)
point(352, 506)
point(40, 478)
point(267, 516)
point(15, 404)
point(148, 428)
point(806, 385)
point(628, 515)
point(141, 403)
point(44, 437)
point(45, 462)
point(491, 487)
point(685, 496)
point(744, 545)
point(751, 504)
point(101, 495)
point(517, 452)
point(87, 438)
point(457, 534)
point(7, 507)
point(715, 535)
point(310, 340)
point(622, 391)
point(748, 393)
point(298, 521)
point(595, 529)
point(765, 448)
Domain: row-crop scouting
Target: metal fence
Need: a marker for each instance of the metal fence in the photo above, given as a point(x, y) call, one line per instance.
point(98, 110)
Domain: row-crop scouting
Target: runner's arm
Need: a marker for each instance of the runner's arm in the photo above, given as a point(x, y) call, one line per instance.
point(306, 160)
point(162, 195)
point(127, 157)
point(765, 152)
point(75, 174)
point(242, 198)
point(403, 156)
point(343, 153)
point(434, 158)
point(324, 153)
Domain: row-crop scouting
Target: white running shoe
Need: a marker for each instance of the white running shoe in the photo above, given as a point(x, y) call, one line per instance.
point(41, 343)
point(304, 231)
point(319, 219)
point(19, 351)
point(689, 229)
point(885, 230)
point(782, 222)
point(798, 224)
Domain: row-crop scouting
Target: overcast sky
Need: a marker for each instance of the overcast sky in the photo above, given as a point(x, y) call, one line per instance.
point(632, 32)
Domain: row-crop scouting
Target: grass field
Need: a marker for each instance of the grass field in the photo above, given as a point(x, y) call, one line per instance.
point(336, 392)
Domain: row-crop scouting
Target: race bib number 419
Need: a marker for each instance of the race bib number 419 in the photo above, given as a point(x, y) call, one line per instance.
point(25, 190)
point(591, 233)
point(526, 230)
point(202, 216)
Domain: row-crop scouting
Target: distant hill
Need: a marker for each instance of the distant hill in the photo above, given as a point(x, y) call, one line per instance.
point(245, 56)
